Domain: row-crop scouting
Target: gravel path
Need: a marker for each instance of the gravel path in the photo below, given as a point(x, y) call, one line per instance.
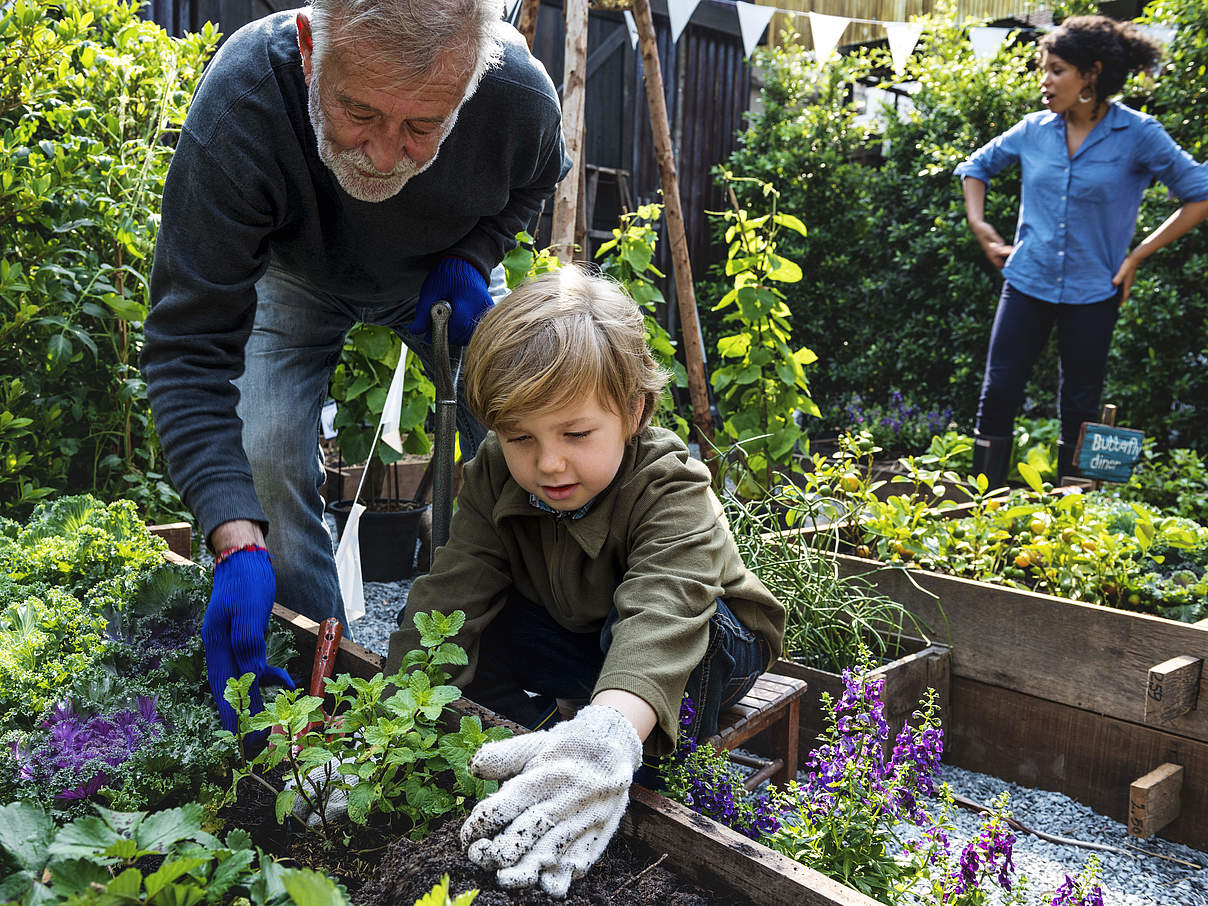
point(1154, 872)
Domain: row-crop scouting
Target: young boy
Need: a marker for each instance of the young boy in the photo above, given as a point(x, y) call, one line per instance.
point(592, 561)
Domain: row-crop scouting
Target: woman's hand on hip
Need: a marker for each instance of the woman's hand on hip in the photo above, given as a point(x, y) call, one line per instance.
point(996, 250)
point(1125, 276)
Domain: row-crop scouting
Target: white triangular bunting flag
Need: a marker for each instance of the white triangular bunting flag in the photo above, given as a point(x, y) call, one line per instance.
point(633, 29)
point(348, 565)
point(680, 11)
point(903, 36)
point(752, 20)
point(987, 39)
point(826, 31)
point(394, 404)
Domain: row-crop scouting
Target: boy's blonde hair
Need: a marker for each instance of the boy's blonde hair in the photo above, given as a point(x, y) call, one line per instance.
point(557, 338)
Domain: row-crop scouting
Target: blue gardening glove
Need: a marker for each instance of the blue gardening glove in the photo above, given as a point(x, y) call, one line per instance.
point(236, 622)
point(457, 281)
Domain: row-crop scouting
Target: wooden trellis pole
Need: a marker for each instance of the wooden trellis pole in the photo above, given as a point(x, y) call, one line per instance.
point(527, 25)
point(574, 94)
point(694, 358)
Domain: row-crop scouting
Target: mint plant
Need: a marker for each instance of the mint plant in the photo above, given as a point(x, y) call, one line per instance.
point(160, 859)
point(383, 749)
point(761, 389)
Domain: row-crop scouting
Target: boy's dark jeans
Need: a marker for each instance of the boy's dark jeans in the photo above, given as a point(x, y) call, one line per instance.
point(524, 648)
point(1022, 326)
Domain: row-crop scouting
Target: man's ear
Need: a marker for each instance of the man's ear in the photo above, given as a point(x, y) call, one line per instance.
point(306, 45)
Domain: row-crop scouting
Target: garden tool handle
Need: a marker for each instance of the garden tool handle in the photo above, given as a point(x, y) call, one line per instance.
point(326, 648)
point(446, 423)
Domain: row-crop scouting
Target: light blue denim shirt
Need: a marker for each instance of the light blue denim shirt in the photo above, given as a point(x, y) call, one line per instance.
point(1077, 215)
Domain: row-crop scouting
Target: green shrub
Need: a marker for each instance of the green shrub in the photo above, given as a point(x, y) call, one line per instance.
point(89, 93)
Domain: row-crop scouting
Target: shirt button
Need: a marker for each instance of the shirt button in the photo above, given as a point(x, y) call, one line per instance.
point(1062, 225)
point(1067, 169)
point(1063, 198)
point(1061, 279)
point(1061, 253)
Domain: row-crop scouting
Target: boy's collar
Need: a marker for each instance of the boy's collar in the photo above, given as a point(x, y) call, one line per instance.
point(540, 504)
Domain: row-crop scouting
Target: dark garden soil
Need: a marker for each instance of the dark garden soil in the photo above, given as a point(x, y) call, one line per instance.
point(624, 876)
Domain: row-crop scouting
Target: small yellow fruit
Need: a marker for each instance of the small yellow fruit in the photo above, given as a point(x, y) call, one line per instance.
point(903, 551)
point(863, 551)
point(850, 482)
point(1067, 533)
point(1023, 560)
point(1038, 526)
point(993, 504)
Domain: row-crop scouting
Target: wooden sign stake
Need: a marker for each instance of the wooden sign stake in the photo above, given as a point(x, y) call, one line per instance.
point(694, 357)
point(1173, 688)
point(1155, 800)
point(574, 93)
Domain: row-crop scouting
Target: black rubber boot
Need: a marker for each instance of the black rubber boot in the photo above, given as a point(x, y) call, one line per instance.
point(992, 457)
point(1065, 462)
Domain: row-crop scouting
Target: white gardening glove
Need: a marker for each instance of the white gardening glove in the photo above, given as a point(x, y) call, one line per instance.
point(315, 784)
point(568, 788)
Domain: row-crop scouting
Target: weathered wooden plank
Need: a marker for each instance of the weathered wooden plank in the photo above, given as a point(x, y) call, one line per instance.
point(1154, 800)
point(179, 536)
point(710, 853)
point(1173, 688)
point(1089, 757)
point(1082, 655)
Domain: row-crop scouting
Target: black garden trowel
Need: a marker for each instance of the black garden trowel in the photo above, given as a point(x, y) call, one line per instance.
point(448, 372)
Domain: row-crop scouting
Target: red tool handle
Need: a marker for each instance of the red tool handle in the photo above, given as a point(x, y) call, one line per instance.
point(326, 648)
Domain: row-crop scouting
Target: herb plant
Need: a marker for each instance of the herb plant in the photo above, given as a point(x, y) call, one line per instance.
point(383, 748)
point(160, 859)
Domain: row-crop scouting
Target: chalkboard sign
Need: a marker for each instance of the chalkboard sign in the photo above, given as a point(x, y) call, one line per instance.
point(1107, 453)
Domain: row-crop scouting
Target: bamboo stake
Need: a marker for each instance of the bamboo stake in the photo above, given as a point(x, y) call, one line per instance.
point(574, 84)
point(527, 25)
point(685, 296)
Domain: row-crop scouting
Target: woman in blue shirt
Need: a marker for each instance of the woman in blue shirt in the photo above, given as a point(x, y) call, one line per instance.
point(1085, 163)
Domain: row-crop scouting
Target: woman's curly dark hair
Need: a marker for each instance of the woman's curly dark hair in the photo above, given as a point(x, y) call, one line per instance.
point(1119, 47)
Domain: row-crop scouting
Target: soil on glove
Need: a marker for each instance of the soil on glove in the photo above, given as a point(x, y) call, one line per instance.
point(624, 876)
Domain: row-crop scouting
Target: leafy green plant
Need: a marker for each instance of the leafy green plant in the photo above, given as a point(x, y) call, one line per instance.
point(1175, 482)
point(360, 384)
point(628, 258)
point(439, 896)
point(384, 751)
point(761, 389)
point(90, 97)
point(830, 618)
point(160, 859)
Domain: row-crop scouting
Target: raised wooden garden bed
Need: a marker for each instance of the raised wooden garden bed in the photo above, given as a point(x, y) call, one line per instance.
point(1066, 696)
point(696, 848)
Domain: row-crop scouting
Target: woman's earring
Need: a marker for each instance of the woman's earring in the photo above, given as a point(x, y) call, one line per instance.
point(1083, 98)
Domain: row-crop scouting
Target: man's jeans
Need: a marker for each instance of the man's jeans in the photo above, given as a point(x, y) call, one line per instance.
point(524, 648)
point(1021, 328)
point(293, 348)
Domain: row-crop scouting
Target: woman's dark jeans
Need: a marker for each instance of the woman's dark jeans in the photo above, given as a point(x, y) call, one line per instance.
point(1021, 328)
point(524, 648)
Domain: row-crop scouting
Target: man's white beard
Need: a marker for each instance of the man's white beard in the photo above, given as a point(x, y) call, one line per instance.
point(351, 165)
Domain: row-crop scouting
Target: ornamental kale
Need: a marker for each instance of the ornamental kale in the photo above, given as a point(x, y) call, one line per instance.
point(704, 780)
point(78, 752)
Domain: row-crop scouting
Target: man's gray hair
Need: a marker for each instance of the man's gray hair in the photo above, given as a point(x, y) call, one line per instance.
point(414, 36)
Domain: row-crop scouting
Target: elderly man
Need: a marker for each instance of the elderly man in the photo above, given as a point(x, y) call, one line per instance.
point(353, 161)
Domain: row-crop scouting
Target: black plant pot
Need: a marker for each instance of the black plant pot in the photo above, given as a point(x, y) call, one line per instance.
point(388, 535)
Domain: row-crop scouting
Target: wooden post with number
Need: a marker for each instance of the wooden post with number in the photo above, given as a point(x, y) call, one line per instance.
point(694, 357)
point(574, 85)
